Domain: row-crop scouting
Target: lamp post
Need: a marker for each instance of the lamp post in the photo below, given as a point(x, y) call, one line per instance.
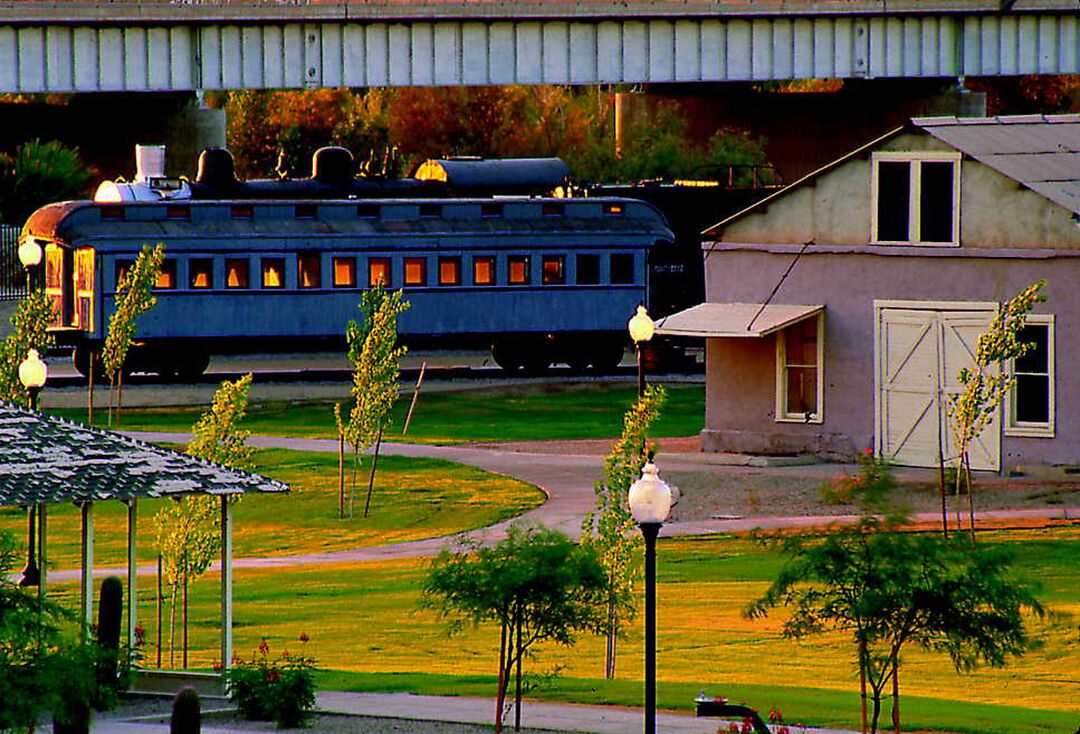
point(32, 374)
point(641, 330)
point(650, 501)
point(30, 257)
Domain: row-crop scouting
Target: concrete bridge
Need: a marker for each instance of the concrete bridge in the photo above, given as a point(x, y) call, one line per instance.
point(181, 45)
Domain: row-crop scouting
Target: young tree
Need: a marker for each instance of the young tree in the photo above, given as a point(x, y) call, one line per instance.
point(987, 383)
point(189, 529)
point(536, 584)
point(890, 588)
point(376, 360)
point(29, 331)
point(610, 529)
point(133, 299)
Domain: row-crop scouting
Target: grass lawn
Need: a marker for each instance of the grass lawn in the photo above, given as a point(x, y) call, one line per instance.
point(368, 634)
point(526, 413)
point(413, 499)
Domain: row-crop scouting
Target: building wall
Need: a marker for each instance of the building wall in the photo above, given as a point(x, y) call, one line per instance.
point(740, 392)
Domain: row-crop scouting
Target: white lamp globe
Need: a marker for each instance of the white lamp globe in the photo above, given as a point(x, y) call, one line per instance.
point(32, 371)
point(641, 326)
point(649, 497)
point(29, 253)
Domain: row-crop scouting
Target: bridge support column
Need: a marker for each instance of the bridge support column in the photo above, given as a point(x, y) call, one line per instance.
point(186, 133)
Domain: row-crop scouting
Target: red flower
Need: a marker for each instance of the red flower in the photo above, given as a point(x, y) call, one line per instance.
point(869, 452)
point(264, 648)
point(304, 637)
point(274, 675)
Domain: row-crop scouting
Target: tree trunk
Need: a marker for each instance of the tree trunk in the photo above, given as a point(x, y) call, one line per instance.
point(862, 686)
point(896, 696)
point(501, 693)
point(90, 390)
point(941, 488)
point(159, 602)
point(371, 476)
point(971, 496)
point(877, 710)
point(172, 626)
point(119, 395)
point(185, 618)
point(341, 476)
point(517, 690)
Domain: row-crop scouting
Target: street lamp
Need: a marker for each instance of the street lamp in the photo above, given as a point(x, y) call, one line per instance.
point(641, 330)
point(32, 374)
point(30, 257)
point(650, 501)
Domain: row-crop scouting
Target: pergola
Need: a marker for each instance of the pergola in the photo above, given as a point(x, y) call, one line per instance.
point(46, 460)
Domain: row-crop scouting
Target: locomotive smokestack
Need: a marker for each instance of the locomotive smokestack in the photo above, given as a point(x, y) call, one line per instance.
point(149, 162)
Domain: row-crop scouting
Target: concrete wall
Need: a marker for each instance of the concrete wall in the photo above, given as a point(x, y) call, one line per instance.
point(740, 373)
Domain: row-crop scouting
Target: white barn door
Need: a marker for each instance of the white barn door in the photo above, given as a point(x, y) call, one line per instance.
point(919, 353)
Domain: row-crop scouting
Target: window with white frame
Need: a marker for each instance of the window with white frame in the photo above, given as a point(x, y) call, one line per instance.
point(1030, 403)
point(798, 371)
point(916, 198)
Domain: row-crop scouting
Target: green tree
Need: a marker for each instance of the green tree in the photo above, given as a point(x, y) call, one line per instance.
point(987, 382)
point(37, 174)
point(30, 324)
point(891, 588)
point(134, 297)
point(189, 529)
point(536, 584)
point(376, 359)
point(610, 528)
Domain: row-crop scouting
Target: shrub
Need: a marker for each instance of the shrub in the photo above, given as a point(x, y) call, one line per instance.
point(280, 689)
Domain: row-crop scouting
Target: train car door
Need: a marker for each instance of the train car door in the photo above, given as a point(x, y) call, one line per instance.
point(83, 287)
point(55, 261)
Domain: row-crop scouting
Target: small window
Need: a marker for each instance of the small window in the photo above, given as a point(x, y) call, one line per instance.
point(622, 269)
point(553, 271)
point(242, 211)
point(491, 210)
point(367, 211)
point(379, 272)
point(798, 360)
point(1030, 403)
point(112, 212)
point(306, 211)
point(449, 271)
point(429, 211)
point(613, 208)
point(273, 272)
point(484, 270)
point(588, 269)
point(166, 279)
point(415, 271)
point(122, 268)
point(344, 272)
point(236, 272)
point(200, 273)
point(178, 212)
point(309, 271)
point(916, 198)
point(517, 270)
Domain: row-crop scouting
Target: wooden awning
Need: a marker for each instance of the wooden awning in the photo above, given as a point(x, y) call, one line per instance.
point(711, 320)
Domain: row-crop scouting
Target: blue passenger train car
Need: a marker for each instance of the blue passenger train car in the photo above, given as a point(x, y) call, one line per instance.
point(538, 280)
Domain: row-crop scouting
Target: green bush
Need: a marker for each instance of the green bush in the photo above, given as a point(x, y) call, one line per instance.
point(280, 690)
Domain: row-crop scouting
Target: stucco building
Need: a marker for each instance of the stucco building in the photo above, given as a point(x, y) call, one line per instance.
point(840, 309)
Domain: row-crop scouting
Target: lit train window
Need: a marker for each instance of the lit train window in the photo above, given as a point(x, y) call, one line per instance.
point(613, 209)
point(378, 269)
point(309, 271)
point(553, 271)
point(84, 289)
point(178, 212)
point(242, 211)
point(273, 272)
point(517, 270)
point(236, 272)
point(201, 273)
point(122, 268)
point(552, 209)
point(588, 269)
point(622, 269)
point(449, 271)
point(483, 270)
point(415, 271)
point(491, 210)
point(166, 279)
point(344, 272)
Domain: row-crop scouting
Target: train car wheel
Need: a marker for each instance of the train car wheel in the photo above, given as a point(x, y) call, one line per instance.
point(605, 359)
point(537, 364)
point(80, 358)
point(508, 356)
point(185, 368)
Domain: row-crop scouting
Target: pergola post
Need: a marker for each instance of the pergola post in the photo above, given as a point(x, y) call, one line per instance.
point(43, 562)
point(226, 583)
point(87, 566)
point(132, 571)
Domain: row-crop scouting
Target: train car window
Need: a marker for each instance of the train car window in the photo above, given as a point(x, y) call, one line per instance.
point(622, 269)
point(242, 211)
point(236, 272)
point(273, 272)
point(309, 271)
point(305, 211)
point(84, 288)
point(552, 209)
point(344, 272)
point(54, 281)
point(431, 210)
point(449, 271)
point(553, 271)
point(614, 209)
point(201, 273)
point(166, 279)
point(588, 269)
point(112, 212)
point(517, 270)
point(378, 269)
point(491, 210)
point(178, 212)
point(483, 269)
point(122, 268)
point(367, 211)
point(415, 271)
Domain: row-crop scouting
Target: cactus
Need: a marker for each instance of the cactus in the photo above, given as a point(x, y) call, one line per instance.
point(186, 718)
point(110, 613)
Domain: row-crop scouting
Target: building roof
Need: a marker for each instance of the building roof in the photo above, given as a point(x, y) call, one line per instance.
point(734, 319)
point(51, 460)
point(1042, 152)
